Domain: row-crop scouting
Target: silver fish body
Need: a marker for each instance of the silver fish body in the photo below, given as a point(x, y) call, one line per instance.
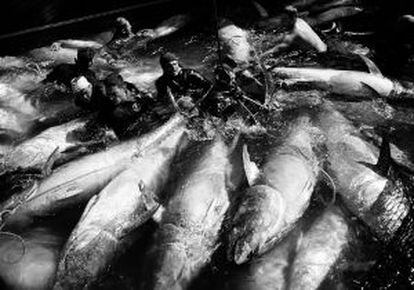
point(319, 249)
point(190, 225)
point(34, 152)
point(268, 272)
point(269, 209)
point(380, 201)
point(342, 82)
point(77, 181)
point(127, 202)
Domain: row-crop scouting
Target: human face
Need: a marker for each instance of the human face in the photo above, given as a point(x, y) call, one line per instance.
point(173, 68)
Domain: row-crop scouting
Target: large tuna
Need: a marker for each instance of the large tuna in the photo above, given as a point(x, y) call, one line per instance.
point(60, 140)
point(103, 228)
point(365, 187)
point(319, 249)
point(347, 83)
point(77, 181)
point(278, 196)
point(379, 195)
point(191, 222)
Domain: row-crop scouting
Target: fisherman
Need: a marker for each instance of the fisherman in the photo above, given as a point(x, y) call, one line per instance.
point(64, 73)
point(178, 86)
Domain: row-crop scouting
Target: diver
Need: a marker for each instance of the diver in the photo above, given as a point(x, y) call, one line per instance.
point(183, 88)
point(119, 103)
point(230, 95)
point(222, 101)
point(64, 73)
point(123, 30)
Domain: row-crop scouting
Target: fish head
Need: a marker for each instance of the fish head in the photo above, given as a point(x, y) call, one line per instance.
point(256, 223)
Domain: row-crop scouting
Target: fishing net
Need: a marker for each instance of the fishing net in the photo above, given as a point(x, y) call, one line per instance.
point(394, 268)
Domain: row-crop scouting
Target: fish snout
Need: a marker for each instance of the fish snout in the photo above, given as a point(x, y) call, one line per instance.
point(256, 224)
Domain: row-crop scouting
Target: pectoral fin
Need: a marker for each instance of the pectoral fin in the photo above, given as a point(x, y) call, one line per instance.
point(47, 167)
point(250, 168)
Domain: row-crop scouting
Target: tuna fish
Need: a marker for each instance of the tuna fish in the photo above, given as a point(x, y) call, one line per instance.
point(351, 84)
point(60, 140)
point(333, 14)
point(268, 272)
point(34, 111)
point(362, 182)
point(190, 225)
point(77, 181)
point(277, 197)
point(102, 230)
point(318, 250)
point(302, 36)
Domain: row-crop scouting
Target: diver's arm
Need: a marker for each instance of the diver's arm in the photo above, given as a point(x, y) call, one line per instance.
point(172, 99)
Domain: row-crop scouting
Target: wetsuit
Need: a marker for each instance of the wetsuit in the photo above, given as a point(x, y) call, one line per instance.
point(63, 74)
point(188, 83)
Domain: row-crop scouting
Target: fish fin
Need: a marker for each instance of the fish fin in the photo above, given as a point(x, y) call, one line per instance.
point(47, 167)
point(235, 142)
point(92, 201)
point(371, 89)
point(384, 160)
point(250, 168)
point(372, 67)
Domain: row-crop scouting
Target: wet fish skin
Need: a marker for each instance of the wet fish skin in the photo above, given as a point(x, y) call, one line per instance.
point(190, 225)
point(305, 35)
point(269, 209)
point(353, 84)
point(77, 181)
point(333, 14)
point(99, 236)
point(379, 200)
point(269, 271)
point(34, 152)
point(319, 249)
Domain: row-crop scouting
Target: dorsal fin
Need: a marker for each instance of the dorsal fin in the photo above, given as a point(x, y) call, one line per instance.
point(372, 67)
point(371, 89)
point(250, 168)
point(47, 167)
point(384, 159)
